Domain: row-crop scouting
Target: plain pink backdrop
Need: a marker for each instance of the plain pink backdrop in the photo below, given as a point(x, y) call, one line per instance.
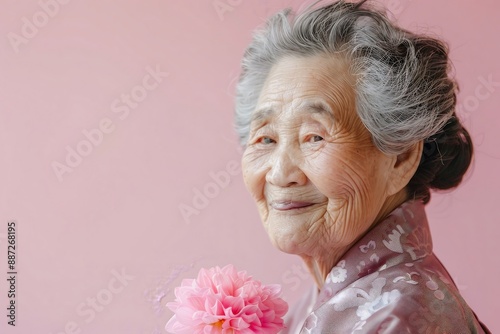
point(119, 209)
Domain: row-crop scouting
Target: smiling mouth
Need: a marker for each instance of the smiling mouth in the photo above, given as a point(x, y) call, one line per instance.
point(289, 205)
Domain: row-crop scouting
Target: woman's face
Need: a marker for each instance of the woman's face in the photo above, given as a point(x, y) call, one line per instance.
point(318, 180)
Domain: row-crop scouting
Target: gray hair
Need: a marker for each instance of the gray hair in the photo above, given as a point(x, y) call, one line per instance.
point(403, 90)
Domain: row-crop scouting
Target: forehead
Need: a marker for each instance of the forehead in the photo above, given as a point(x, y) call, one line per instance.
point(317, 83)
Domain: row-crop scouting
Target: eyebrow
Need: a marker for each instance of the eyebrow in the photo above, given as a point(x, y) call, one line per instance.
point(317, 107)
point(261, 114)
point(320, 107)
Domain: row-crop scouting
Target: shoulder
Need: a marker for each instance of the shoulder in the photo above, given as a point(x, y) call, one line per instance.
point(416, 298)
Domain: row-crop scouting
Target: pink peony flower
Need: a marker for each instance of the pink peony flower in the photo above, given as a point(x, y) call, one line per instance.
point(226, 301)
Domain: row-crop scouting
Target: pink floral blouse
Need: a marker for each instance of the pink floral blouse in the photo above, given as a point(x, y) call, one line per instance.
point(390, 281)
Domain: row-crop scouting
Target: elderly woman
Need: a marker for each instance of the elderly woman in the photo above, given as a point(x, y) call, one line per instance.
point(348, 122)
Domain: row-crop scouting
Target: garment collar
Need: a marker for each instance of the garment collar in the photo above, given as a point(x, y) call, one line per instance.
point(402, 237)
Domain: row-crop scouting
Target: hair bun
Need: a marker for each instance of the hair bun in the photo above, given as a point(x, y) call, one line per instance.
point(446, 157)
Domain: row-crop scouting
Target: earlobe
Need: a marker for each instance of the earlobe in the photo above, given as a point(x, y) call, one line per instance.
point(404, 167)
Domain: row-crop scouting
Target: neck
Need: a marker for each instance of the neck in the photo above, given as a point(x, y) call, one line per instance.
point(320, 267)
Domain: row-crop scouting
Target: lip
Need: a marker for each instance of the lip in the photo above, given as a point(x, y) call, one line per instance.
point(289, 205)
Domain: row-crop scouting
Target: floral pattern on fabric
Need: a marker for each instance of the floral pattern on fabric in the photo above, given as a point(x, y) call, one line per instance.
point(391, 282)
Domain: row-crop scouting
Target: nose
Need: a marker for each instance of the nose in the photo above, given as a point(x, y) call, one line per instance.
point(284, 170)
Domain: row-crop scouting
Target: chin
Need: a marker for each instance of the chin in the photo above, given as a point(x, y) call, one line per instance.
point(286, 247)
point(283, 238)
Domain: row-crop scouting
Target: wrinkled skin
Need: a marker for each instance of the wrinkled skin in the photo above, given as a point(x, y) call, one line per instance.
point(318, 180)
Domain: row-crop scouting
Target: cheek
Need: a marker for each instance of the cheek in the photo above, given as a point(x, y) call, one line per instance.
point(335, 171)
point(253, 174)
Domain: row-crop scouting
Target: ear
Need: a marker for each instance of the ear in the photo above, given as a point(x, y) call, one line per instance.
point(404, 167)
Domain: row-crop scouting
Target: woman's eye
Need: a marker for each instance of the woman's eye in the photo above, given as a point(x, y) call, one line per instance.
point(266, 140)
point(316, 138)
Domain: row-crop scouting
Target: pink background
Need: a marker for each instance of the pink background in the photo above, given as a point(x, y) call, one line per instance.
point(119, 209)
